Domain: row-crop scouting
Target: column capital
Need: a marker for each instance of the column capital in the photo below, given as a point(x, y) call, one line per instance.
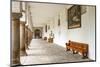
point(16, 15)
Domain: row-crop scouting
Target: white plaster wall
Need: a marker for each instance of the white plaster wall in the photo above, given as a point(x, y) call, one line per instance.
point(92, 32)
point(28, 18)
point(15, 6)
point(61, 31)
point(85, 34)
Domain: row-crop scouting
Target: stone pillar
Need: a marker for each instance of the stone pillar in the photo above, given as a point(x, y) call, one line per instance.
point(22, 39)
point(30, 35)
point(26, 37)
point(15, 59)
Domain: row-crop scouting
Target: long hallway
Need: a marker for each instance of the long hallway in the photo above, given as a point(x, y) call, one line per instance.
point(62, 32)
point(42, 52)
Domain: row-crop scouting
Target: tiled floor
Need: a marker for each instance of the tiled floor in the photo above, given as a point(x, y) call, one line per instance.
point(42, 52)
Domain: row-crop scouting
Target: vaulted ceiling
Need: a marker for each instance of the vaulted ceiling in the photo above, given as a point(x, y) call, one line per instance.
point(42, 12)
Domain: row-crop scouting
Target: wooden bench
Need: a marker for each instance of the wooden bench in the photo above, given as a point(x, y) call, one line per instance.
point(77, 47)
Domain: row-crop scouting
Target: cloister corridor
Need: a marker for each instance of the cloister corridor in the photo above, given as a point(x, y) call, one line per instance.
point(52, 33)
point(42, 52)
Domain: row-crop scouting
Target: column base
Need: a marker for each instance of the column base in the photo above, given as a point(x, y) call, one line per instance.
point(14, 65)
point(15, 62)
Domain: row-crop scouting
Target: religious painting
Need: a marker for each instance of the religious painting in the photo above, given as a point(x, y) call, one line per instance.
point(74, 17)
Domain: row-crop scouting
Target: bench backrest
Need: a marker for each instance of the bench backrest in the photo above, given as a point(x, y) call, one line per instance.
point(82, 46)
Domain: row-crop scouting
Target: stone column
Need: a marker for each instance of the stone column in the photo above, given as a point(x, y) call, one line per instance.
point(22, 39)
point(26, 37)
point(29, 36)
point(15, 59)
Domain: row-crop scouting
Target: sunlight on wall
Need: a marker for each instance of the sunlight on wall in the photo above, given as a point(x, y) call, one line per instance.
point(85, 34)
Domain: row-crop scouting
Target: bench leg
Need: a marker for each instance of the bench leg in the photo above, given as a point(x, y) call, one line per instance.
point(84, 55)
point(67, 49)
point(73, 52)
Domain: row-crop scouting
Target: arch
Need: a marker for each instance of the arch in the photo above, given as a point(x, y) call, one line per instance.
point(38, 33)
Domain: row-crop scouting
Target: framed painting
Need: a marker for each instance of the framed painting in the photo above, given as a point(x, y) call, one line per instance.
point(59, 21)
point(45, 28)
point(74, 17)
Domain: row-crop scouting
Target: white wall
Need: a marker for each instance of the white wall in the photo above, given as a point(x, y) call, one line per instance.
point(85, 34)
point(28, 18)
point(60, 32)
point(15, 6)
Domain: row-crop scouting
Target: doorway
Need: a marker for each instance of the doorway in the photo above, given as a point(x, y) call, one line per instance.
point(38, 34)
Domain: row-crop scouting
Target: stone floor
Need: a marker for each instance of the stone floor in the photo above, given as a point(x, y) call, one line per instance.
point(42, 52)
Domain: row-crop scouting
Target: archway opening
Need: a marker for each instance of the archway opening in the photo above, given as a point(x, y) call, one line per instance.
point(38, 34)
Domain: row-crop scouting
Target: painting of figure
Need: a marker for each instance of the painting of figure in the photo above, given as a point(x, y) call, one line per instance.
point(74, 17)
